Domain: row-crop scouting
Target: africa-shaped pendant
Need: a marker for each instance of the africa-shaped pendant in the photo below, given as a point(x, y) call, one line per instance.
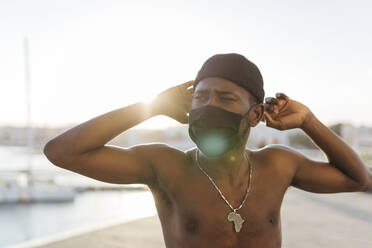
point(237, 219)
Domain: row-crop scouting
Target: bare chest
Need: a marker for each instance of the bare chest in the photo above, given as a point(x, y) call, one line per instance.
point(192, 211)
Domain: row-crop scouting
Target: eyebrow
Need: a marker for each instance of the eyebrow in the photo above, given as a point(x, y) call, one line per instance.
point(221, 92)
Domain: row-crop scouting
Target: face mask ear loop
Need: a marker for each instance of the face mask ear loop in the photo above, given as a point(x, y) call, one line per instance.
point(247, 114)
point(249, 121)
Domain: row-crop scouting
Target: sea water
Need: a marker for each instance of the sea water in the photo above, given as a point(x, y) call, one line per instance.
point(25, 222)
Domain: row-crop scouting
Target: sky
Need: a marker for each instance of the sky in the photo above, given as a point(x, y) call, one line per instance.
point(90, 57)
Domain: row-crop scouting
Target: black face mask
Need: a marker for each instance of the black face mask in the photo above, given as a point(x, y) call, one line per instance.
point(215, 131)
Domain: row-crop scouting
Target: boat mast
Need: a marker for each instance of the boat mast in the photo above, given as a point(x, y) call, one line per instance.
point(28, 106)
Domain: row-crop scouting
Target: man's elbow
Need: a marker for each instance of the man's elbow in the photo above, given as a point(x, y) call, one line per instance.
point(53, 154)
point(367, 186)
point(48, 151)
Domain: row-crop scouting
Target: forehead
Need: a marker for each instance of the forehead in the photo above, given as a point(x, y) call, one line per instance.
point(221, 84)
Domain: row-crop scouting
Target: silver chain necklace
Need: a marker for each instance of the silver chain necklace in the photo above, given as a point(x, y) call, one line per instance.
point(232, 216)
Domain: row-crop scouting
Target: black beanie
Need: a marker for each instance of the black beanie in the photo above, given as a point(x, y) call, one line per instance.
point(236, 68)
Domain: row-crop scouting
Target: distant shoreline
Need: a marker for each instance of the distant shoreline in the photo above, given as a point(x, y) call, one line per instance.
point(25, 225)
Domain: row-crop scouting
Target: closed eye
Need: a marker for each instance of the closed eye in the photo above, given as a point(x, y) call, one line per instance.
point(227, 99)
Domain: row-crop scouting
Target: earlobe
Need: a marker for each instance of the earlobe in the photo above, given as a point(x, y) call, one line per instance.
point(258, 111)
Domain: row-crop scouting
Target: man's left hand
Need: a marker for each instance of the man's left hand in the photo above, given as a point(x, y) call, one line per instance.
point(283, 113)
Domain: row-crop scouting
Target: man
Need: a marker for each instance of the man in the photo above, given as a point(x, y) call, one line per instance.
point(218, 194)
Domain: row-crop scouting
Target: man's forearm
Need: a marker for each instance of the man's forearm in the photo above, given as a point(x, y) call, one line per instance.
point(98, 131)
point(338, 152)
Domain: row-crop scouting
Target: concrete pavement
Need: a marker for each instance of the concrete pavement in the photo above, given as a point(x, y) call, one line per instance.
point(309, 220)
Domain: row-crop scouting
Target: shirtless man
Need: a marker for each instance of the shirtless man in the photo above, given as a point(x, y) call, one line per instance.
point(189, 187)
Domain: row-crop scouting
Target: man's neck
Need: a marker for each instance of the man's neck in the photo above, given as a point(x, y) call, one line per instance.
point(230, 166)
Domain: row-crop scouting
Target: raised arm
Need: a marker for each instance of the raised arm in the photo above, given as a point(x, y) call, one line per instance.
point(344, 171)
point(83, 148)
point(343, 159)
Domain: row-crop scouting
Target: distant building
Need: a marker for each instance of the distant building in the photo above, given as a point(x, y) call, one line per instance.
point(17, 136)
point(359, 138)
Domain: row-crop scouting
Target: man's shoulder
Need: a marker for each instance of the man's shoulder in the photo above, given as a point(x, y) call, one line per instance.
point(170, 163)
point(278, 155)
point(280, 159)
point(158, 147)
point(276, 150)
point(160, 153)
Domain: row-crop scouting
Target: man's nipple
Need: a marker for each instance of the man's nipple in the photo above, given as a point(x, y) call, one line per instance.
point(192, 225)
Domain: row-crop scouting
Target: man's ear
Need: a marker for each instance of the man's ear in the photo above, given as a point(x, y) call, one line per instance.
point(257, 114)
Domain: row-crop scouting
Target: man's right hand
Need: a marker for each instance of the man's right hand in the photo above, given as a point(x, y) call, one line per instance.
point(175, 102)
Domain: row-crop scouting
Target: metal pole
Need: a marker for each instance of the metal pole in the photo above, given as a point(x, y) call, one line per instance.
point(28, 106)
